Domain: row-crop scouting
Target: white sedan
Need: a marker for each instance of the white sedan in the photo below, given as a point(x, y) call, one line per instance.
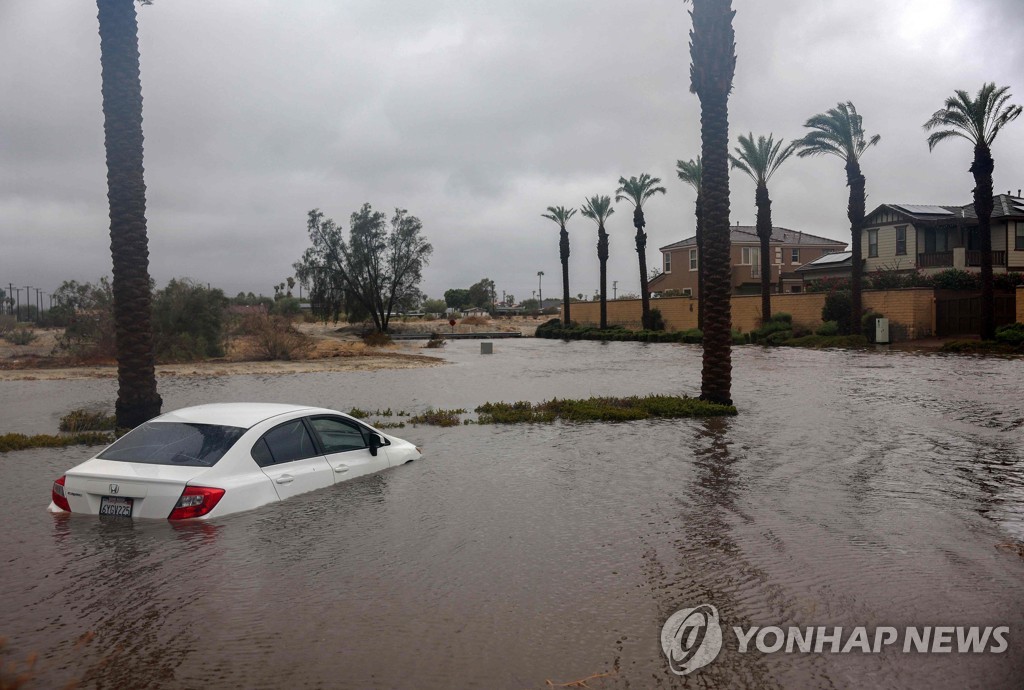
point(207, 461)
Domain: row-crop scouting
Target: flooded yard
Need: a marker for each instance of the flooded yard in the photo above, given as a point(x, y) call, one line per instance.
point(854, 489)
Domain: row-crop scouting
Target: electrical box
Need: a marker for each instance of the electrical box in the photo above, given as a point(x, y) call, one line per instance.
point(882, 331)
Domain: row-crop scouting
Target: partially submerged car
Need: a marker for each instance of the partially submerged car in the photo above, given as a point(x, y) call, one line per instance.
point(211, 460)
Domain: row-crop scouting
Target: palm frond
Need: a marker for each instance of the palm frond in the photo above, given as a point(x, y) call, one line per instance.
point(637, 190)
point(839, 131)
point(559, 214)
point(598, 208)
point(690, 172)
point(977, 119)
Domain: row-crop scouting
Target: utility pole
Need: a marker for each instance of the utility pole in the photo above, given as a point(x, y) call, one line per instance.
point(540, 288)
point(28, 299)
point(615, 287)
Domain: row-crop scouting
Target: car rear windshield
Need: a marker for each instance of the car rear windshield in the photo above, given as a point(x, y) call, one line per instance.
point(174, 443)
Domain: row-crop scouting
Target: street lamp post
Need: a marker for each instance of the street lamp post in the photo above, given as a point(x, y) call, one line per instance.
point(540, 289)
point(615, 285)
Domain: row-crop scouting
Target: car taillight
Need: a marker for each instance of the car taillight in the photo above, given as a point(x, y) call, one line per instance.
point(195, 501)
point(57, 494)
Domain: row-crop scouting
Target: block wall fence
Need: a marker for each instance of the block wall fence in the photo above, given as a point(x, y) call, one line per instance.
point(911, 311)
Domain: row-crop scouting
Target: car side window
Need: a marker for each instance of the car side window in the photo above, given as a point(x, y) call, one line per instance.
point(286, 443)
point(339, 435)
point(261, 453)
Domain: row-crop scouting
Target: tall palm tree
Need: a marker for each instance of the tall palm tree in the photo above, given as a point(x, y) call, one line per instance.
point(712, 67)
point(137, 398)
point(561, 215)
point(599, 209)
point(690, 173)
point(637, 190)
point(978, 121)
point(840, 132)
point(759, 160)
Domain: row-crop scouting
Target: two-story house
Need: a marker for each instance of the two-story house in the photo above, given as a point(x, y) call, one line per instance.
point(906, 237)
point(790, 249)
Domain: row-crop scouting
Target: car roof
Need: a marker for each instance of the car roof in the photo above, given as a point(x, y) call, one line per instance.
point(244, 415)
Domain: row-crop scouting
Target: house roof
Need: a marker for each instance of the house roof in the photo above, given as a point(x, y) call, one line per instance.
point(1004, 206)
point(747, 234)
point(834, 260)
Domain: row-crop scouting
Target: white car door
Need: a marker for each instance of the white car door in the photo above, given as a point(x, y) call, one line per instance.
point(289, 457)
point(347, 448)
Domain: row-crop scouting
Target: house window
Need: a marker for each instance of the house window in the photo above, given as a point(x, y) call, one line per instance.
point(872, 244)
point(901, 240)
point(794, 256)
point(693, 259)
point(668, 262)
point(1018, 238)
point(750, 256)
point(795, 288)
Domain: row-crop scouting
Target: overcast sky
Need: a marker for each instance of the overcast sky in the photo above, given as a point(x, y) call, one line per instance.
point(474, 116)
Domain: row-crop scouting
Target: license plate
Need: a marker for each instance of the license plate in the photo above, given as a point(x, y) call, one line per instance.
point(116, 506)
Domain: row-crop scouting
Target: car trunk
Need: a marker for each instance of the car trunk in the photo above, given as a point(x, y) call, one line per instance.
point(127, 489)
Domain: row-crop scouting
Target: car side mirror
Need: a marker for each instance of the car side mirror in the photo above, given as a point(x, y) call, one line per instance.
point(375, 442)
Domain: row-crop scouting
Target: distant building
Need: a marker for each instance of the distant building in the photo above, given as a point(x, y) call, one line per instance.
point(790, 250)
point(836, 265)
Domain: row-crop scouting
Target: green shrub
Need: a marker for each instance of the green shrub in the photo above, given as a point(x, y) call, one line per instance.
point(828, 329)
point(694, 335)
point(740, 338)
point(274, 337)
point(657, 321)
point(782, 316)
point(22, 335)
point(778, 337)
point(1011, 334)
point(1008, 281)
point(9, 442)
point(442, 418)
point(188, 321)
point(88, 314)
point(775, 325)
point(839, 307)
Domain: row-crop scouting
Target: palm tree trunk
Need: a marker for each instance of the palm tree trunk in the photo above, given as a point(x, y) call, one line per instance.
point(563, 250)
point(855, 212)
point(764, 232)
point(641, 252)
point(121, 88)
point(712, 47)
point(700, 263)
point(602, 255)
point(982, 168)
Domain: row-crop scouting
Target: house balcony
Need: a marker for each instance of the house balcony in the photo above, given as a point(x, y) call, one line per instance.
point(958, 257)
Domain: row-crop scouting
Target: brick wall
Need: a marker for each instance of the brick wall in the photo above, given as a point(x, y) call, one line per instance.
point(1020, 304)
point(911, 312)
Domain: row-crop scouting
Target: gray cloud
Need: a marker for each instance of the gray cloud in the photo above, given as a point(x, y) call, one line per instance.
point(474, 116)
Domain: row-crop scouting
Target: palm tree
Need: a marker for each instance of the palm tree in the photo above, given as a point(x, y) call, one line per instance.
point(598, 209)
point(690, 173)
point(712, 67)
point(137, 398)
point(760, 160)
point(561, 215)
point(637, 190)
point(978, 121)
point(840, 132)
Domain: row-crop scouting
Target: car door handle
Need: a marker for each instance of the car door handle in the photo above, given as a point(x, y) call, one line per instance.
point(285, 479)
point(341, 468)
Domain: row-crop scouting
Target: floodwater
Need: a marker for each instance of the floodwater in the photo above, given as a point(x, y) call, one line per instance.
point(855, 489)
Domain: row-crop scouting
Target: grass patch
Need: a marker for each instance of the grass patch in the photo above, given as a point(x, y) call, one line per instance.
point(438, 417)
point(86, 420)
point(601, 410)
point(820, 341)
point(10, 442)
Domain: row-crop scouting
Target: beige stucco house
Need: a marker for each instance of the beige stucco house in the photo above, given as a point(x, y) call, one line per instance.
point(790, 249)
